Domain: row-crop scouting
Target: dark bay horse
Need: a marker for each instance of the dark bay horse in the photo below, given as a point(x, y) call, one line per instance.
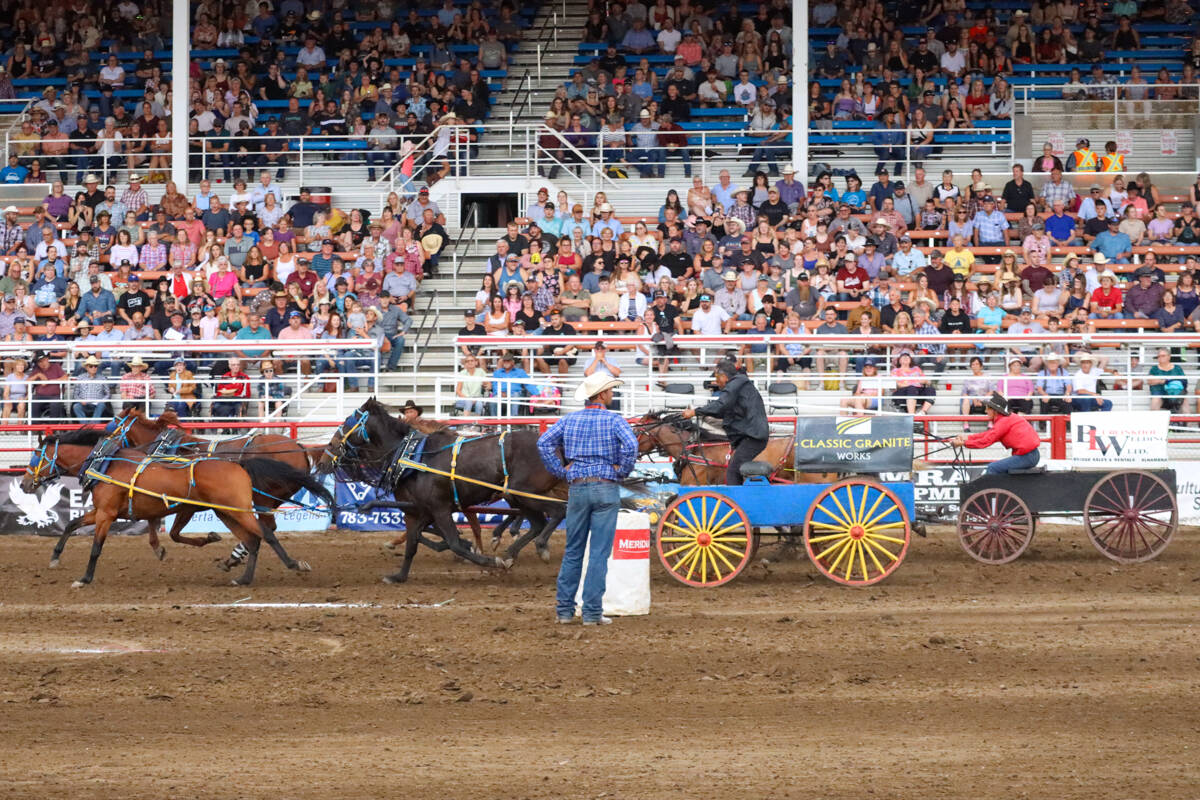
point(271, 490)
point(364, 449)
point(134, 490)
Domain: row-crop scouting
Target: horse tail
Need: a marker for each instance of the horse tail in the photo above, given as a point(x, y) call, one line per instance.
point(267, 474)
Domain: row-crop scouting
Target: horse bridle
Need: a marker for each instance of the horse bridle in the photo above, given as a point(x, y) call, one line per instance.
point(681, 461)
point(340, 446)
point(53, 472)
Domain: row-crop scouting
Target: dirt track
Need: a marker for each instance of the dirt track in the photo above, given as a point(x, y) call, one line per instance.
point(1061, 676)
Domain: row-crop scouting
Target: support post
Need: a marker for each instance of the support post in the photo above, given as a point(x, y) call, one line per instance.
point(180, 92)
point(800, 88)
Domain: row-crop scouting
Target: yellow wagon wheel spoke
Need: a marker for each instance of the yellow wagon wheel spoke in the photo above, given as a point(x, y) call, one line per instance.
point(856, 532)
point(704, 538)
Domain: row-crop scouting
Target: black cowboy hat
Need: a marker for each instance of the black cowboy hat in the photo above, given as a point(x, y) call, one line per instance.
point(998, 404)
point(410, 404)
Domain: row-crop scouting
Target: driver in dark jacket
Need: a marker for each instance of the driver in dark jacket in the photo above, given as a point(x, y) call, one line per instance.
point(742, 414)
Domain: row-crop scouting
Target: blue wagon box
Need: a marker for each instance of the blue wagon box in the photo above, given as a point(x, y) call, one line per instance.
point(854, 444)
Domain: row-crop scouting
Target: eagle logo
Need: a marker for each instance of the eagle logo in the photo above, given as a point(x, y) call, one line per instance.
point(37, 512)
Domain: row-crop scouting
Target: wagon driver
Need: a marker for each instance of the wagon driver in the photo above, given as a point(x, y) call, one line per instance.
point(592, 450)
point(743, 416)
point(1011, 430)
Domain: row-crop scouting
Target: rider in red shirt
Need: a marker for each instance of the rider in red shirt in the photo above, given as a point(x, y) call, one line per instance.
point(1011, 430)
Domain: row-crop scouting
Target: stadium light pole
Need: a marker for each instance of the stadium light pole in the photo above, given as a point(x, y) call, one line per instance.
point(800, 88)
point(180, 92)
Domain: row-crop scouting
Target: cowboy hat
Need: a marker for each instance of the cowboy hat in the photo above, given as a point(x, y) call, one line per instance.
point(594, 384)
point(1099, 258)
point(410, 404)
point(137, 361)
point(432, 242)
point(1108, 273)
point(998, 404)
point(91, 361)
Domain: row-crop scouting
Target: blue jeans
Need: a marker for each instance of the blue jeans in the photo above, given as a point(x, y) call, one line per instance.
point(656, 162)
point(478, 406)
point(1006, 465)
point(90, 410)
point(591, 516)
point(1090, 403)
point(396, 351)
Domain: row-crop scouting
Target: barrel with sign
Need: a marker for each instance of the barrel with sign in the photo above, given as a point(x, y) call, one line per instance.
point(856, 530)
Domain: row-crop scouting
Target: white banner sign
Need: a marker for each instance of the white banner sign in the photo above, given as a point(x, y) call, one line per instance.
point(1058, 144)
point(1128, 439)
point(1169, 141)
point(1187, 491)
point(1125, 142)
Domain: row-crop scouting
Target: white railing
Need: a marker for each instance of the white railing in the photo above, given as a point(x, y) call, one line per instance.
point(1116, 102)
point(340, 365)
point(835, 358)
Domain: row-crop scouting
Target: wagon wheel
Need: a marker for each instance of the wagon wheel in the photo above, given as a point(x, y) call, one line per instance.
point(1130, 516)
point(705, 539)
point(995, 526)
point(857, 532)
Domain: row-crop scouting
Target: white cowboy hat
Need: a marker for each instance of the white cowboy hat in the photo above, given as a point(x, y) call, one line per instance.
point(594, 384)
point(788, 169)
point(1108, 273)
point(136, 361)
point(1099, 258)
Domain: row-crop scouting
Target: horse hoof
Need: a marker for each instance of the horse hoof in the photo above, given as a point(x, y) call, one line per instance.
point(161, 553)
point(544, 554)
point(53, 563)
point(79, 584)
point(213, 538)
point(504, 563)
point(495, 544)
point(239, 582)
point(302, 566)
point(393, 579)
point(389, 545)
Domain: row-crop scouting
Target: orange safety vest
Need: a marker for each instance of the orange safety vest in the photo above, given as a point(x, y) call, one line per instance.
point(1113, 163)
point(1085, 161)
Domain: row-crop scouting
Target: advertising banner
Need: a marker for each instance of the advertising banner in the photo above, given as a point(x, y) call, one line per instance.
point(627, 590)
point(854, 444)
point(1128, 439)
point(352, 497)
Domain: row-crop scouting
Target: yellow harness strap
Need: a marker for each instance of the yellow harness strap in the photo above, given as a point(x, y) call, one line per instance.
point(166, 497)
point(503, 461)
point(426, 468)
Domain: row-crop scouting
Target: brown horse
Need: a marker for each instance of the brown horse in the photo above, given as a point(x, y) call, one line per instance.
point(131, 489)
point(140, 431)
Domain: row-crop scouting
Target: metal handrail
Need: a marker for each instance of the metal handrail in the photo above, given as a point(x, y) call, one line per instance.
point(421, 347)
point(470, 226)
point(524, 86)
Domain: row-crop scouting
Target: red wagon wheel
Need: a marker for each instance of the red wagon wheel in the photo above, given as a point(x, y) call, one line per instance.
point(995, 526)
point(857, 532)
point(1131, 515)
point(705, 539)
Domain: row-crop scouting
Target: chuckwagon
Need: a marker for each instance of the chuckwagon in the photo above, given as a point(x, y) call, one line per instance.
point(856, 529)
point(1130, 515)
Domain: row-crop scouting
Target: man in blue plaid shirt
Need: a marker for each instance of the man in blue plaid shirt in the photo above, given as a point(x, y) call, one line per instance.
point(592, 449)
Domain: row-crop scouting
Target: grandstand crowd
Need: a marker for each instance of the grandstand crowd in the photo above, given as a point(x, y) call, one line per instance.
point(400, 85)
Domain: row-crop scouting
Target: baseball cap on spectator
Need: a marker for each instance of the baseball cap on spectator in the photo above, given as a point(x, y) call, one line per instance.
point(1114, 221)
point(897, 184)
point(659, 293)
point(904, 238)
point(294, 314)
point(107, 318)
point(880, 221)
point(935, 253)
point(851, 256)
point(94, 279)
point(424, 190)
point(125, 263)
point(706, 297)
point(989, 199)
point(134, 278)
point(1038, 226)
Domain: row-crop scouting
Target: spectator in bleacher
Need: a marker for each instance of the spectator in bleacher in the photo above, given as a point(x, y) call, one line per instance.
point(1145, 297)
point(91, 392)
point(1085, 386)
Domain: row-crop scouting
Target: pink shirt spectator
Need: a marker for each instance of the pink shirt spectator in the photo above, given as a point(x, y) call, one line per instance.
point(153, 256)
point(221, 284)
point(1037, 249)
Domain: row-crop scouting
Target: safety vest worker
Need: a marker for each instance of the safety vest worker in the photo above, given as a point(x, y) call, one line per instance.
point(1112, 162)
point(1083, 159)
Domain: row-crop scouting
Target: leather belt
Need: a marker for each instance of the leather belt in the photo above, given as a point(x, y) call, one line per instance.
point(593, 479)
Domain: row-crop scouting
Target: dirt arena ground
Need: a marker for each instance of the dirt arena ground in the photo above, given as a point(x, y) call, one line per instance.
point(1061, 676)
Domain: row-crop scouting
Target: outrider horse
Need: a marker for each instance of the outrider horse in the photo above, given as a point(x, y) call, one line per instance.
point(128, 485)
point(271, 490)
point(369, 444)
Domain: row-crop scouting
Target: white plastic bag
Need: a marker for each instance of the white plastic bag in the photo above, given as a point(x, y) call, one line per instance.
point(627, 589)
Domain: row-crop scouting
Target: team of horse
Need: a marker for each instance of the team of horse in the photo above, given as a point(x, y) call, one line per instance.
point(146, 469)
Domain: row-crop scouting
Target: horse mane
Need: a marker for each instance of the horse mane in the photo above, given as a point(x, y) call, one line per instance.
point(428, 426)
point(168, 419)
point(88, 436)
point(378, 410)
